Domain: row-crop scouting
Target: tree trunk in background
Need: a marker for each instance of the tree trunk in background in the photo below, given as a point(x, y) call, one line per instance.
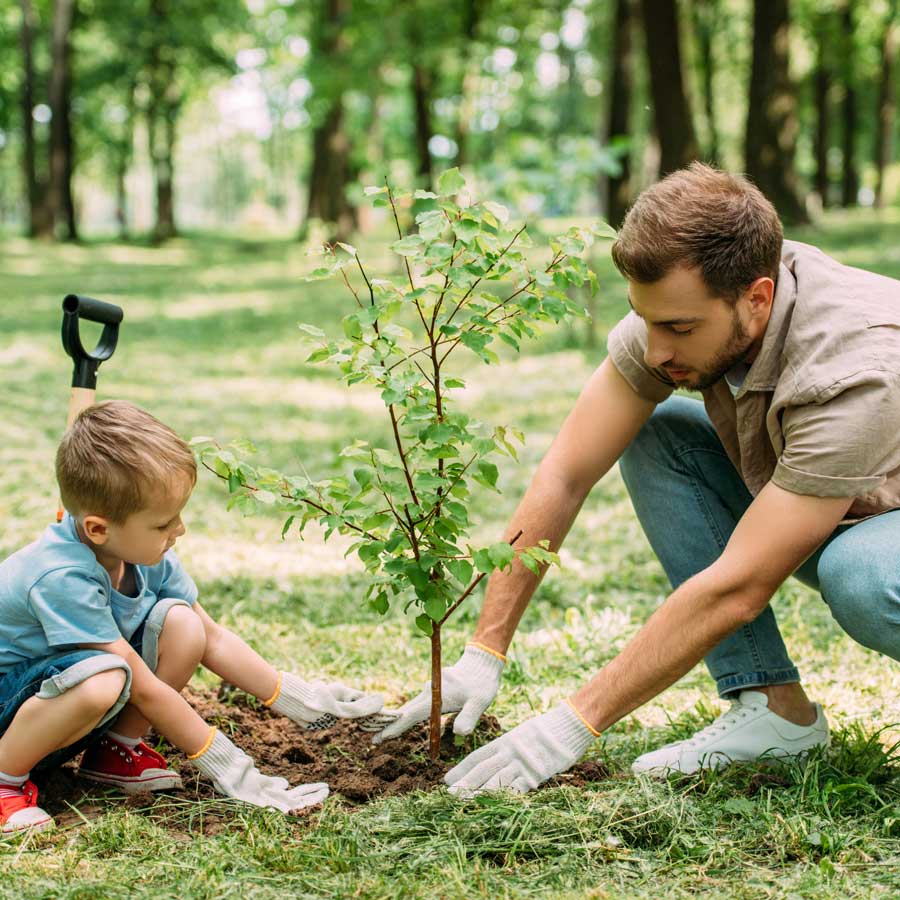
point(421, 90)
point(671, 110)
point(163, 108)
point(472, 14)
point(615, 190)
point(61, 208)
point(887, 108)
point(822, 90)
point(38, 221)
point(850, 175)
point(772, 115)
point(705, 15)
point(329, 172)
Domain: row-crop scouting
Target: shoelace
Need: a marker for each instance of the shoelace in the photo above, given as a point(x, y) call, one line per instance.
point(731, 717)
point(23, 798)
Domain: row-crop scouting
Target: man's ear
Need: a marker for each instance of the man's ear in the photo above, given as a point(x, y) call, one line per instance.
point(759, 296)
point(96, 529)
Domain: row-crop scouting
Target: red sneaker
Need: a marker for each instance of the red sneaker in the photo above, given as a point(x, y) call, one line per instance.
point(132, 769)
point(19, 810)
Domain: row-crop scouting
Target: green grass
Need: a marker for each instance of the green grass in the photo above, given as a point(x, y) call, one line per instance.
point(210, 345)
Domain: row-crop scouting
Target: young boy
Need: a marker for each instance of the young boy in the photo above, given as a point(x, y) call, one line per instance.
point(100, 629)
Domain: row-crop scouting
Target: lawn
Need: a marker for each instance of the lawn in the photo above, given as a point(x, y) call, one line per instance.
point(210, 345)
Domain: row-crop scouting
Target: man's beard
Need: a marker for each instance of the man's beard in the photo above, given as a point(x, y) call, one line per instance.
point(725, 359)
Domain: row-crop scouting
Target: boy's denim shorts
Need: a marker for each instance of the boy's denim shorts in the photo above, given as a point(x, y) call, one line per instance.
point(53, 675)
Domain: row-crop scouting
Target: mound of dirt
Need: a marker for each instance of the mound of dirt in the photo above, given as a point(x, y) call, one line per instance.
point(343, 757)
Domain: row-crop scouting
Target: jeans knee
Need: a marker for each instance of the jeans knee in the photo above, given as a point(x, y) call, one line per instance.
point(864, 598)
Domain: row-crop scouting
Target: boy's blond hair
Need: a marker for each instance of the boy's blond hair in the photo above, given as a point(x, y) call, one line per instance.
point(115, 457)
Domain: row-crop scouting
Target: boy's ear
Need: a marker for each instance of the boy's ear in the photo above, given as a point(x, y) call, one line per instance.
point(96, 529)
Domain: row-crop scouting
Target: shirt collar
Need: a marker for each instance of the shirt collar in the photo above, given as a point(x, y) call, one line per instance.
point(766, 368)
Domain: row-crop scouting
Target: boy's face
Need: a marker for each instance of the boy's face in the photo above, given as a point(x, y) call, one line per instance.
point(145, 536)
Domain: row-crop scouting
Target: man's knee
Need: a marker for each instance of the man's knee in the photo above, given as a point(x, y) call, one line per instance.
point(863, 593)
point(183, 634)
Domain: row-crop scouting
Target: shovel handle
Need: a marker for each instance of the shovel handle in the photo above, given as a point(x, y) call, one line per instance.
point(75, 308)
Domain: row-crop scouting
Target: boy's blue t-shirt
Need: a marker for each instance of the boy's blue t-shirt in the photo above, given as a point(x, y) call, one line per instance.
point(54, 593)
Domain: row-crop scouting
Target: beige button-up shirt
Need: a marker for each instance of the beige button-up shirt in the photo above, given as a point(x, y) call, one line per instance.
point(818, 412)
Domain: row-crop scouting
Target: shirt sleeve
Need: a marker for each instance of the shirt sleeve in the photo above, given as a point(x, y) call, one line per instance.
point(72, 607)
point(627, 343)
point(175, 580)
point(846, 446)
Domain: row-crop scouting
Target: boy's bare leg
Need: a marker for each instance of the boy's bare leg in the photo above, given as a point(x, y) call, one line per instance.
point(182, 643)
point(44, 725)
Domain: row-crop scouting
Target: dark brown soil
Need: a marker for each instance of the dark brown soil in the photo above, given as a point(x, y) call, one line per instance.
point(343, 757)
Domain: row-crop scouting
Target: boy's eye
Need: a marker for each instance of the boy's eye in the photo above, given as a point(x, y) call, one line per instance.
point(686, 331)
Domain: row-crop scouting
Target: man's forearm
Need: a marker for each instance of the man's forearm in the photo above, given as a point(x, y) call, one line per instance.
point(695, 617)
point(546, 512)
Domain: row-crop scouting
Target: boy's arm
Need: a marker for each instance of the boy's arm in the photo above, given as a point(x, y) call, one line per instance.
point(166, 710)
point(231, 770)
point(312, 706)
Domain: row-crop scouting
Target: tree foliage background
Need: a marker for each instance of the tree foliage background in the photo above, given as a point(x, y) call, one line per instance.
point(267, 116)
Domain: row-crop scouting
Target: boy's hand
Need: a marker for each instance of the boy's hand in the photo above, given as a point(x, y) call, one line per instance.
point(316, 705)
point(235, 775)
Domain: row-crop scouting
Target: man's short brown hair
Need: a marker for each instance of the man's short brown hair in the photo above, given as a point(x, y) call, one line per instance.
point(115, 457)
point(702, 218)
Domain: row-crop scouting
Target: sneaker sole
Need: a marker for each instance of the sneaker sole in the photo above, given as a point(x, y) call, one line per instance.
point(42, 825)
point(135, 785)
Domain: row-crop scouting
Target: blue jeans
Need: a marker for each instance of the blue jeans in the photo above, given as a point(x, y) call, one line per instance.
point(689, 497)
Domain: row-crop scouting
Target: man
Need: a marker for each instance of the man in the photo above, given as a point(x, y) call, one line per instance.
point(790, 465)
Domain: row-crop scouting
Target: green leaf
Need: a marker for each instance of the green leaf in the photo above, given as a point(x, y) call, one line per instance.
point(408, 246)
point(311, 330)
point(487, 472)
point(265, 497)
point(450, 182)
point(372, 189)
point(483, 561)
point(454, 383)
point(347, 248)
point(234, 482)
point(287, 526)
point(424, 195)
point(466, 229)
point(498, 211)
point(423, 623)
point(380, 602)
point(461, 570)
point(501, 554)
point(435, 607)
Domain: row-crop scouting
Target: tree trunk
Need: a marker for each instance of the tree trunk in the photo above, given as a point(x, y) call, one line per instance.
point(329, 171)
point(772, 115)
point(706, 22)
point(38, 222)
point(671, 110)
point(434, 722)
point(822, 87)
point(421, 89)
point(60, 204)
point(886, 103)
point(614, 190)
point(471, 18)
point(850, 175)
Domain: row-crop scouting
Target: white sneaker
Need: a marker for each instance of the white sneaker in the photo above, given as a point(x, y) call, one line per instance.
point(747, 732)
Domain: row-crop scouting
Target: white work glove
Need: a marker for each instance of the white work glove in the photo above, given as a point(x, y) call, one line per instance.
point(317, 705)
point(525, 757)
point(234, 774)
point(468, 688)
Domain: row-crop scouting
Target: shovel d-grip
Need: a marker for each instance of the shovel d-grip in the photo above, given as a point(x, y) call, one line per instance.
point(84, 373)
point(75, 308)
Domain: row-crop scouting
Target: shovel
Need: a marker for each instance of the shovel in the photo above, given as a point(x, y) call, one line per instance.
point(84, 373)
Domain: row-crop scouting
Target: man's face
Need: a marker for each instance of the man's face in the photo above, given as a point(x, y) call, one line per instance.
point(695, 337)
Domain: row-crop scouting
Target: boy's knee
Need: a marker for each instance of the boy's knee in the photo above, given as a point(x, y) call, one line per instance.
point(100, 692)
point(183, 632)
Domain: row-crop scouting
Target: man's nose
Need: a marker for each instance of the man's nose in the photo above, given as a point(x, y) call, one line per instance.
point(658, 351)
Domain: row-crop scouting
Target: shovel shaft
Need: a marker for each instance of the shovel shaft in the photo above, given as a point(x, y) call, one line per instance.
point(79, 399)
